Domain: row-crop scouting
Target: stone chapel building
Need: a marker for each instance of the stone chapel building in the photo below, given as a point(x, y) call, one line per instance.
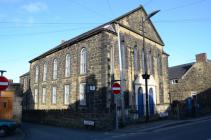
point(78, 73)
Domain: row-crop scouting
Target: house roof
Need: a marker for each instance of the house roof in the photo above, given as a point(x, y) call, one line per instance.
point(103, 27)
point(25, 74)
point(176, 72)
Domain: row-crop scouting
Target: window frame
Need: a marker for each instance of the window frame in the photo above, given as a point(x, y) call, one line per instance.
point(36, 74)
point(54, 95)
point(55, 69)
point(83, 61)
point(45, 71)
point(67, 65)
point(43, 95)
point(36, 96)
point(67, 100)
point(82, 98)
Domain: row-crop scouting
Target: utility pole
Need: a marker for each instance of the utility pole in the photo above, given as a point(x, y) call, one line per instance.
point(121, 76)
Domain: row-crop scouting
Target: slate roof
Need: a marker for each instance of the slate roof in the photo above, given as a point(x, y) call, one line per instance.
point(176, 72)
point(25, 74)
point(94, 31)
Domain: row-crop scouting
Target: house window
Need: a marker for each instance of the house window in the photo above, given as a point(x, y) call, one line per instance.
point(143, 61)
point(35, 96)
point(66, 94)
point(53, 95)
point(159, 64)
point(150, 62)
point(67, 65)
point(82, 94)
point(174, 81)
point(45, 68)
point(43, 95)
point(36, 74)
point(83, 61)
point(55, 69)
point(135, 59)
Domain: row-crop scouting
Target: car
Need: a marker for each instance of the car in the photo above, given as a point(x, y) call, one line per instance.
point(7, 127)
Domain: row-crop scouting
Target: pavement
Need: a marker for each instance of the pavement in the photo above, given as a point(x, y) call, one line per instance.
point(21, 134)
point(150, 126)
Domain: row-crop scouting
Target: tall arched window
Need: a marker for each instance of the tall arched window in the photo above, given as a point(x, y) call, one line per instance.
point(83, 62)
point(159, 64)
point(36, 74)
point(135, 59)
point(143, 60)
point(55, 69)
point(45, 72)
point(67, 65)
point(150, 62)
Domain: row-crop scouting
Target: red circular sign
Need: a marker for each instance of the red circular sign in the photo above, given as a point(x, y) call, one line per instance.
point(116, 88)
point(4, 83)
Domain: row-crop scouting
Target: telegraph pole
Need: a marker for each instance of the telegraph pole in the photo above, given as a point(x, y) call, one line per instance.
point(121, 76)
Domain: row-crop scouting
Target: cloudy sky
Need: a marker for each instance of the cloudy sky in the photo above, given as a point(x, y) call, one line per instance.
point(31, 27)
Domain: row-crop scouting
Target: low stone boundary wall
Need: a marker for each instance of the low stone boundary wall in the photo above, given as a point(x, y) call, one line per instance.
point(73, 119)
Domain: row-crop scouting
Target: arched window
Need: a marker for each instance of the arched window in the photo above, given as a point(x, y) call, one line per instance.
point(83, 62)
point(67, 65)
point(135, 59)
point(45, 68)
point(55, 69)
point(36, 74)
point(159, 64)
point(150, 62)
point(143, 60)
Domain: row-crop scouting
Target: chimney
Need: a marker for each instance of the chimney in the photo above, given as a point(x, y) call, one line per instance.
point(202, 57)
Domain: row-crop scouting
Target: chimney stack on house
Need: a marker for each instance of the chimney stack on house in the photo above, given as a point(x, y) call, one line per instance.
point(202, 57)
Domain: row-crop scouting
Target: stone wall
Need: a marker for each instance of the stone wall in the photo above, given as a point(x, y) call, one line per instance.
point(68, 118)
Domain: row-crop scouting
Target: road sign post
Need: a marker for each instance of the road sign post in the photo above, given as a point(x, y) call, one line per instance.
point(116, 89)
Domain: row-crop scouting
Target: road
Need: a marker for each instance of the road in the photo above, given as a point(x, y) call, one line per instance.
point(187, 130)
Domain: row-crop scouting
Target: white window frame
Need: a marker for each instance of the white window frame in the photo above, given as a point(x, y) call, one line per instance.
point(67, 65)
point(45, 71)
point(44, 95)
point(55, 69)
point(53, 95)
point(83, 62)
point(35, 95)
point(66, 94)
point(82, 94)
point(36, 74)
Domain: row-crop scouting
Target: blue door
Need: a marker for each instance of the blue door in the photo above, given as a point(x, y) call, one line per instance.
point(151, 102)
point(140, 102)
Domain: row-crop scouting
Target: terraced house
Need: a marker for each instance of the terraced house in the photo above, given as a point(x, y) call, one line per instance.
point(78, 73)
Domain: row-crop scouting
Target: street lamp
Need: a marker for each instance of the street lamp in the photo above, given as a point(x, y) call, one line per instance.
point(146, 76)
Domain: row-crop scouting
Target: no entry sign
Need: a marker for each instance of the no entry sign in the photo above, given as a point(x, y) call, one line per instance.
point(4, 83)
point(116, 88)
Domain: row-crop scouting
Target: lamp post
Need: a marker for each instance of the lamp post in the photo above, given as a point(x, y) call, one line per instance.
point(146, 76)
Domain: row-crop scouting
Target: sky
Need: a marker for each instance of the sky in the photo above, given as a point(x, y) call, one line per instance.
point(29, 28)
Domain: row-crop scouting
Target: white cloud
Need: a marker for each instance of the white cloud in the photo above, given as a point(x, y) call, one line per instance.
point(35, 7)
